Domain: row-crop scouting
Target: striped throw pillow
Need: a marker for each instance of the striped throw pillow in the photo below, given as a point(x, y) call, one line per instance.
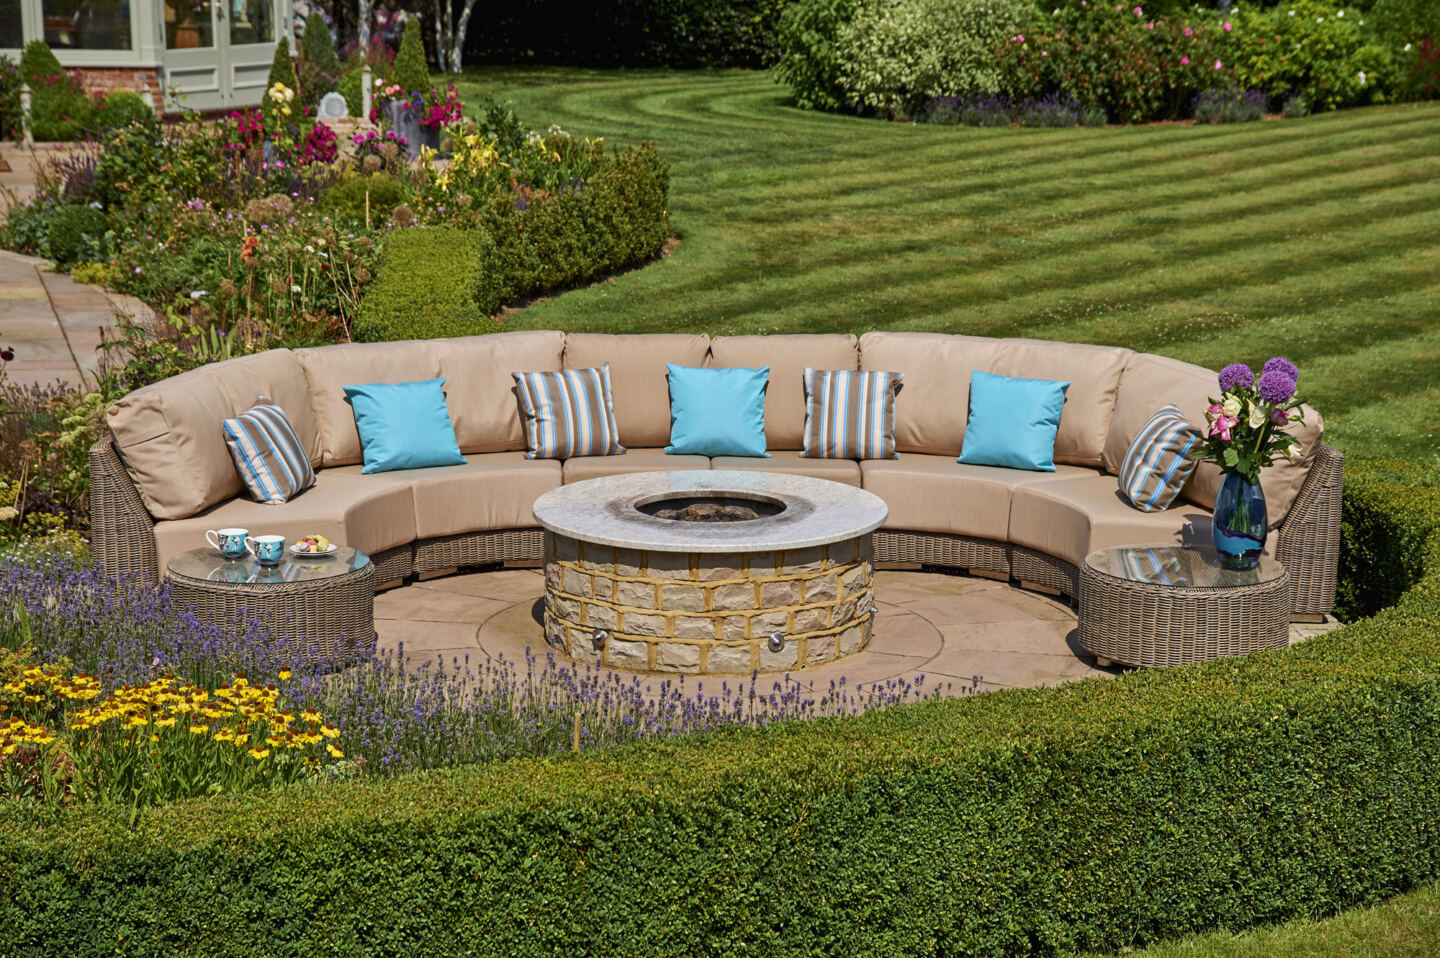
point(849, 415)
point(568, 413)
point(1158, 461)
point(268, 453)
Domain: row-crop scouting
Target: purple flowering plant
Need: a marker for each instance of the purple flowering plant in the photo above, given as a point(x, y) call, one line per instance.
point(1245, 426)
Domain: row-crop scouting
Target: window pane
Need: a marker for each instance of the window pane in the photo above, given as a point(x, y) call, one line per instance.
point(11, 35)
point(252, 21)
point(188, 24)
point(87, 24)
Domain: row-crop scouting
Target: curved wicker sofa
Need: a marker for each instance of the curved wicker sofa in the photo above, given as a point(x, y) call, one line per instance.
point(163, 475)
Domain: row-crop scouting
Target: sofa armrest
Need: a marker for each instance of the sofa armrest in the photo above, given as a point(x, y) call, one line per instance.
point(122, 531)
point(1309, 538)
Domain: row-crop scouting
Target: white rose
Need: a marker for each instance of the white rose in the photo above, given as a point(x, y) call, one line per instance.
point(1257, 416)
point(1231, 406)
point(1292, 452)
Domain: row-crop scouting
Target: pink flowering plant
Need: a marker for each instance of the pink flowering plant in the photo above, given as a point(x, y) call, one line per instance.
point(1245, 426)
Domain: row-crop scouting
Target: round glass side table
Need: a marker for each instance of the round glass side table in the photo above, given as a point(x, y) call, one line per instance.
point(1168, 605)
point(322, 602)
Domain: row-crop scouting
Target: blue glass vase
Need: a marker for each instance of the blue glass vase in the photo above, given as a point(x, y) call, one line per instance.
point(1239, 524)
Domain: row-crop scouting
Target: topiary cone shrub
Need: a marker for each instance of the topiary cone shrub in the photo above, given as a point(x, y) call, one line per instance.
point(282, 67)
point(59, 108)
point(319, 66)
point(411, 71)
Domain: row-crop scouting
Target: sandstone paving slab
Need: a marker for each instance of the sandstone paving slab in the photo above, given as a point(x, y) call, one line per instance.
point(1043, 637)
point(902, 588)
point(1013, 669)
point(992, 606)
point(509, 584)
point(431, 605)
point(905, 633)
point(425, 637)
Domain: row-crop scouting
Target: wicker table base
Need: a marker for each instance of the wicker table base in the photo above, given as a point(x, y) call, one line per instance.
point(1152, 606)
point(331, 610)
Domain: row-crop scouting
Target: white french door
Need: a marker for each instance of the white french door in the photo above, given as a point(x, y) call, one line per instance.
point(218, 52)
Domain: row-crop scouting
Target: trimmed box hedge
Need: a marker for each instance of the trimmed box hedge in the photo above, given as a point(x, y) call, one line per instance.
point(434, 282)
point(1096, 815)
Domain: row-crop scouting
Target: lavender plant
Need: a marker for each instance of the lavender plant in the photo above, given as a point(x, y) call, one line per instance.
point(1229, 105)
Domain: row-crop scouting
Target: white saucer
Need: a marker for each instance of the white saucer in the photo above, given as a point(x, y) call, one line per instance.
point(320, 552)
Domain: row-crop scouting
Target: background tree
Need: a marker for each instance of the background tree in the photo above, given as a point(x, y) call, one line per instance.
point(411, 71)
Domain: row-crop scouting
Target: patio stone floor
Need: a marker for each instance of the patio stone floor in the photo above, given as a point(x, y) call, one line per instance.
point(961, 633)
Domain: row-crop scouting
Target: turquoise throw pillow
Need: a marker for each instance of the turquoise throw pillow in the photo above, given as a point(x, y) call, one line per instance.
point(404, 425)
point(1012, 422)
point(717, 412)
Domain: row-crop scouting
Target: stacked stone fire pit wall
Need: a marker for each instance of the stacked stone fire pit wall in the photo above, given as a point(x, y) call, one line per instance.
point(707, 613)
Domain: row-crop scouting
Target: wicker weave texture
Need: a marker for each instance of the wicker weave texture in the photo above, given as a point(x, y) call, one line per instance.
point(336, 616)
point(938, 548)
point(1041, 568)
point(480, 548)
point(1309, 538)
point(122, 533)
point(1152, 625)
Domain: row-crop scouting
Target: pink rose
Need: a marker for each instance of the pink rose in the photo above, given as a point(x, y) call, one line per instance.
point(1149, 26)
point(1138, 11)
point(1189, 32)
point(1279, 417)
point(1222, 427)
point(1214, 411)
point(1184, 61)
point(1226, 25)
point(1219, 65)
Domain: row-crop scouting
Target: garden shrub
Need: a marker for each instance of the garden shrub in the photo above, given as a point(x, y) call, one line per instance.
point(76, 233)
point(895, 54)
point(10, 110)
point(282, 66)
point(346, 199)
point(1229, 105)
point(319, 66)
point(1100, 815)
point(807, 62)
point(59, 108)
point(123, 107)
point(1296, 107)
point(410, 70)
point(426, 286)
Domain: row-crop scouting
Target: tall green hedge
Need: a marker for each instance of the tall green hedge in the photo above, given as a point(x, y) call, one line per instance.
point(447, 282)
point(1096, 815)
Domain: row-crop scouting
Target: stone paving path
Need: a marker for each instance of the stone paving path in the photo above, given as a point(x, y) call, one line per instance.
point(959, 632)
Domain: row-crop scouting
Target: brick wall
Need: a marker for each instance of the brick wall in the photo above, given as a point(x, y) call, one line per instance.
point(137, 79)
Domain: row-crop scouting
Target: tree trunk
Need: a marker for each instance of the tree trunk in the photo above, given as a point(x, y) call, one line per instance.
point(363, 14)
point(444, 17)
point(457, 51)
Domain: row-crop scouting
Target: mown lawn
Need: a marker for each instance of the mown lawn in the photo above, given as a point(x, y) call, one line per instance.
point(1315, 238)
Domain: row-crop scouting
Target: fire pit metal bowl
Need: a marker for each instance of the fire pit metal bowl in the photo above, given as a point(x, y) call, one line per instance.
point(721, 571)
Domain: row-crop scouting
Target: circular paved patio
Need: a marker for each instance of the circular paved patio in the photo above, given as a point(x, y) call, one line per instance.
point(961, 633)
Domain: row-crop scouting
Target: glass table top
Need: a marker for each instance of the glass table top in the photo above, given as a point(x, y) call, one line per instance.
point(208, 565)
point(1186, 567)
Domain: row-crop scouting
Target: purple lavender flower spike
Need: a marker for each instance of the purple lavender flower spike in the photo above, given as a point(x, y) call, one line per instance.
point(1276, 387)
point(1283, 365)
point(1236, 374)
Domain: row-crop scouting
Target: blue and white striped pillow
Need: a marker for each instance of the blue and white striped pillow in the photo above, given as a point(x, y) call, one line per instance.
point(268, 453)
point(568, 413)
point(849, 415)
point(1158, 461)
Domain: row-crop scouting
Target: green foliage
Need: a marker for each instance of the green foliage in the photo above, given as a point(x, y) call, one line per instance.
point(426, 287)
point(123, 107)
point(1305, 49)
point(411, 71)
point(282, 67)
point(1100, 815)
point(319, 66)
point(59, 108)
point(10, 83)
point(348, 85)
point(77, 233)
point(346, 199)
point(895, 54)
point(1296, 107)
point(807, 62)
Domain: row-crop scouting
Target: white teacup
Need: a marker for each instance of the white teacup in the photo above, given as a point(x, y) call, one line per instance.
point(230, 542)
point(268, 550)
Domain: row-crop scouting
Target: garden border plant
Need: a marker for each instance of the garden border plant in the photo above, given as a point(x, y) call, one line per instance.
point(1095, 815)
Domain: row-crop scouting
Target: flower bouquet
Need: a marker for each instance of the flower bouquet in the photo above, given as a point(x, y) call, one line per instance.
point(1244, 434)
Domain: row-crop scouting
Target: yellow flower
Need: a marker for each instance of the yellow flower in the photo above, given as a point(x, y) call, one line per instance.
point(334, 752)
point(224, 736)
point(137, 720)
point(199, 729)
point(258, 753)
point(284, 674)
point(165, 722)
point(310, 715)
point(42, 739)
point(241, 740)
point(330, 731)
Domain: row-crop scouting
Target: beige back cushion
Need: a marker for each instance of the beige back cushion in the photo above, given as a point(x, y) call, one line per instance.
point(277, 375)
point(787, 356)
point(1150, 382)
point(480, 390)
point(170, 438)
point(637, 376)
point(329, 369)
point(1093, 373)
point(934, 397)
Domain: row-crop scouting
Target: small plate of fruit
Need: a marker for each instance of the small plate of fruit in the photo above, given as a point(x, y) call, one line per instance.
point(313, 546)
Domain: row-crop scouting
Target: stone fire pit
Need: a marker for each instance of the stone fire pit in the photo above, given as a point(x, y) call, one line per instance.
point(723, 571)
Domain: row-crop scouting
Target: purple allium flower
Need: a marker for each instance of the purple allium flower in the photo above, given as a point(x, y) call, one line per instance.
point(1282, 364)
point(1236, 374)
point(1276, 388)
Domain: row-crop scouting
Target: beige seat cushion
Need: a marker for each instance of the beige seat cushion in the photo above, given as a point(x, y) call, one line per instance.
point(491, 491)
point(1093, 373)
point(1150, 382)
point(170, 438)
point(792, 463)
point(637, 377)
point(329, 369)
point(634, 460)
point(787, 356)
point(937, 494)
point(934, 397)
point(1070, 517)
point(479, 390)
point(369, 513)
